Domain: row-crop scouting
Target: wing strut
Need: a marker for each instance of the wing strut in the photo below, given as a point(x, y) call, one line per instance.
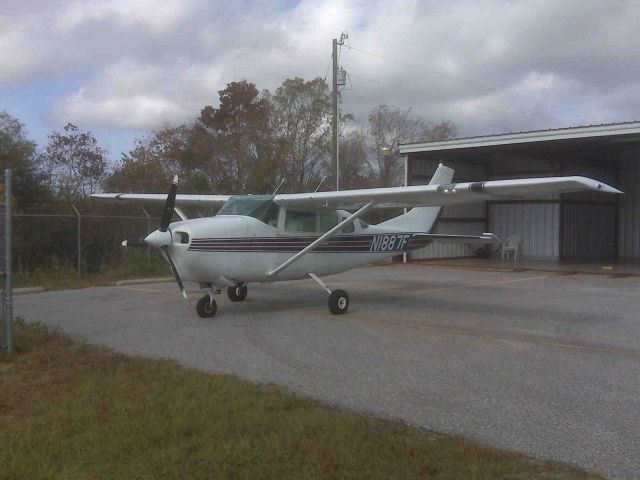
point(320, 239)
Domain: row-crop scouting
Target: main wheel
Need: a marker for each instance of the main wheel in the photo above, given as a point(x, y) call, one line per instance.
point(206, 308)
point(237, 293)
point(338, 302)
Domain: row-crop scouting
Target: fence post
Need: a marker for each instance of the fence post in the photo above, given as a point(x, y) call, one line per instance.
point(8, 267)
point(79, 240)
point(148, 232)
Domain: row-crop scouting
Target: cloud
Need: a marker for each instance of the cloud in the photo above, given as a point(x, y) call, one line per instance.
point(158, 16)
point(490, 66)
point(131, 94)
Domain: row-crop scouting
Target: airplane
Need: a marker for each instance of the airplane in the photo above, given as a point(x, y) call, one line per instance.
point(271, 238)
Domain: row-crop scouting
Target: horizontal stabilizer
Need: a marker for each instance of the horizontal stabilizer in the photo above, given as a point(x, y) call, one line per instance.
point(424, 239)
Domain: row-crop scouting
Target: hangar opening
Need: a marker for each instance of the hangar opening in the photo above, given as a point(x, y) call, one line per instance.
point(567, 227)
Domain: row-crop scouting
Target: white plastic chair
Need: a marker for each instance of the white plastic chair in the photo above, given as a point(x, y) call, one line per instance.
point(511, 244)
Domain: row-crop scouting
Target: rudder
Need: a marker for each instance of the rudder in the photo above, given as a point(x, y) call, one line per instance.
point(423, 219)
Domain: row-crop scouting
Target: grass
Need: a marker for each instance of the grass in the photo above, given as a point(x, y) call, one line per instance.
point(70, 410)
point(66, 277)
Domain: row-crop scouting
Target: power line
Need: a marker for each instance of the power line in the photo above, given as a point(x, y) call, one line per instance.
point(437, 97)
point(382, 82)
point(501, 125)
point(439, 73)
point(326, 74)
point(419, 67)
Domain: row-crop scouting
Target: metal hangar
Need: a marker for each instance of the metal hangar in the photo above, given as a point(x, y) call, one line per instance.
point(567, 227)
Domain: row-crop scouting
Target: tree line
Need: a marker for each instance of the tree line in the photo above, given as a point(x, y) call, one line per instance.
point(249, 143)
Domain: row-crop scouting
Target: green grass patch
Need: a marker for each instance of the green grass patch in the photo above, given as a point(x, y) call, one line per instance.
point(66, 277)
point(70, 410)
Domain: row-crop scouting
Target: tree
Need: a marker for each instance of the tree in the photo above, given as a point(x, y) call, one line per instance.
point(152, 163)
point(356, 170)
point(303, 118)
point(241, 130)
point(19, 153)
point(76, 163)
point(390, 126)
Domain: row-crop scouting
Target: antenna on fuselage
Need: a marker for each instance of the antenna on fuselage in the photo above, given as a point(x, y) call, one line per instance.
point(278, 188)
point(321, 182)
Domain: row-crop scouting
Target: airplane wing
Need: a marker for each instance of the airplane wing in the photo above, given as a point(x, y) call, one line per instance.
point(441, 195)
point(161, 198)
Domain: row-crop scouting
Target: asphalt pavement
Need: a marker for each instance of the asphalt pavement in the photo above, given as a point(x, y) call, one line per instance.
point(541, 363)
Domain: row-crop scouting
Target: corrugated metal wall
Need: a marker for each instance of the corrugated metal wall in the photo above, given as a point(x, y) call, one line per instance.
point(448, 249)
point(629, 230)
point(589, 231)
point(537, 223)
point(452, 216)
point(589, 224)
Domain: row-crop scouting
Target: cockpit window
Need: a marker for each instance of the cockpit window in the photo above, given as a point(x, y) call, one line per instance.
point(261, 207)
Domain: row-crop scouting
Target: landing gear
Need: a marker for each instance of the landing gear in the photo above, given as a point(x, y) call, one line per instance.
point(206, 306)
point(238, 292)
point(338, 302)
point(338, 299)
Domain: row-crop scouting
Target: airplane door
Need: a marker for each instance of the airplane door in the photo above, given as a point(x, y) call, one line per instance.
point(297, 228)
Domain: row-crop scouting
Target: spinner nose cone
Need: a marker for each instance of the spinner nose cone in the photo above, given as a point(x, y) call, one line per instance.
point(159, 239)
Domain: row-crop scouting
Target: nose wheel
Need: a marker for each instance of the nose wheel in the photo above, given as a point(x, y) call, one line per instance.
point(206, 306)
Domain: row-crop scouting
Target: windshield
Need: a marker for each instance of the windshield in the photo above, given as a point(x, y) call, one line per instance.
point(261, 207)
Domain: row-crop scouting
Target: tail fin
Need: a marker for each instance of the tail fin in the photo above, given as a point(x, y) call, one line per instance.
point(423, 219)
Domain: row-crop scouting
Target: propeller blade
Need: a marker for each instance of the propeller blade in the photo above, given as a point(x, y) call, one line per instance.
point(134, 242)
point(167, 213)
point(165, 251)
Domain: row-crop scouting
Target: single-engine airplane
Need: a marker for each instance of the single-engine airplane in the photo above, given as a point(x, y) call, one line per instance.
point(270, 238)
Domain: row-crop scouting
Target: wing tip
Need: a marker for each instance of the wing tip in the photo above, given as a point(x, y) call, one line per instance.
point(603, 187)
point(599, 186)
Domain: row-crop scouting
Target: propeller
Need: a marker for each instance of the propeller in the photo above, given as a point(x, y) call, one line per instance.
point(161, 238)
point(134, 242)
point(169, 205)
point(165, 251)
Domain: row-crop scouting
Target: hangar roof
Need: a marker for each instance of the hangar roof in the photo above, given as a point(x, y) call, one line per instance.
point(570, 133)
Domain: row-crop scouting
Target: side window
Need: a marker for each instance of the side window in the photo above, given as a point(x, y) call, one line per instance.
point(300, 221)
point(327, 221)
point(348, 228)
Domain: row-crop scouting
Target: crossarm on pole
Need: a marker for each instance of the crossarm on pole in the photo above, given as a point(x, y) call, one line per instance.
point(320, 239)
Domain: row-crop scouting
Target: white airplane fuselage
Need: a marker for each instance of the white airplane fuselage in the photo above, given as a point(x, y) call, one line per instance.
point(230, 249)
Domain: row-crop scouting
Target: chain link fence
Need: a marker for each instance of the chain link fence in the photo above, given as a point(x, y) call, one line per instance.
point(85, 243)
point(82, 243)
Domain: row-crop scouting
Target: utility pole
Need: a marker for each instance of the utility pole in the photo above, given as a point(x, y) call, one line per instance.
point(335, 96)
point(8, 265)
point(335, 163)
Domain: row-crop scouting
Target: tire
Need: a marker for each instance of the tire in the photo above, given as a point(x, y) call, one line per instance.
point(238, 293)
point(338, 302)
point(206, 308)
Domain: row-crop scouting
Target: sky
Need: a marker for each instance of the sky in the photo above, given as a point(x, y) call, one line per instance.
point(120, 68)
